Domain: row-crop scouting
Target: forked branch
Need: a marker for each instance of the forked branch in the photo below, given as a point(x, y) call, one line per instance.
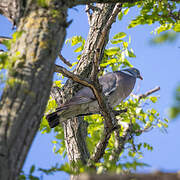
point(106, 110)
point(127, 134)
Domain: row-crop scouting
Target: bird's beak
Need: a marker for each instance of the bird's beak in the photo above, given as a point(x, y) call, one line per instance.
point(140, 77)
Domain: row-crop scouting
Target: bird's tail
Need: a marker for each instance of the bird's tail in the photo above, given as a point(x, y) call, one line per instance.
point(53, 118)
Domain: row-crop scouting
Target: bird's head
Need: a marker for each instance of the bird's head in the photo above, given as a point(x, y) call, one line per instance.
point(134, 72)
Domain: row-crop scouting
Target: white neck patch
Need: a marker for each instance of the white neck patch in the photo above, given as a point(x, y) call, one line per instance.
point(127, 72)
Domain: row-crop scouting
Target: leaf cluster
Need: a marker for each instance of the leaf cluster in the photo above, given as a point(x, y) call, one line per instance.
point(164, 12)
point(138, 119)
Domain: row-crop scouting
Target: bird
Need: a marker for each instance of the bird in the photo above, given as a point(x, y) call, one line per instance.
point(116, 85)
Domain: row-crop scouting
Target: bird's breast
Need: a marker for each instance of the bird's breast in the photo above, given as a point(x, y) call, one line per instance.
point(122, 92)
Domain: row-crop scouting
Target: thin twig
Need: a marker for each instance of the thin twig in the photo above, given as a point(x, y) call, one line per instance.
point(73, 76)
point(3, 38)
point(64, 60)
point(127, 135)
point(89, 14)
point(116, 113)
point(93, 8)
point(141, 96)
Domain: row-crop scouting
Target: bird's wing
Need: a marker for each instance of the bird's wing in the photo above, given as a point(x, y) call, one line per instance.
point(85, 95)
point(109, 83)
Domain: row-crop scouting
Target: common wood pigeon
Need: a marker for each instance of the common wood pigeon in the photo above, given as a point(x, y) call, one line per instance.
point(115, 85)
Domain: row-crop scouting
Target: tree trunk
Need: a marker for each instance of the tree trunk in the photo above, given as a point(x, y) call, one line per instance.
point(33, 55)
point(29, 82)
point(75, 130)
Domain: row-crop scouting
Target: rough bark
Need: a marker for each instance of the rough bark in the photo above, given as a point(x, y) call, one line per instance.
point(29, 82)
point(23, 101)
point(12, 9)
point(84, 68)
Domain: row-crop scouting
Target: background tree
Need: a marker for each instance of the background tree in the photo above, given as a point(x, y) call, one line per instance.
point(30, 67)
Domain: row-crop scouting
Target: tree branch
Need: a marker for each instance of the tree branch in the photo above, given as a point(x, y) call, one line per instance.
point(3, 38)
point(148, 93)
point(105, 31)
point(100, 148)
point(84, 68)
point(64, 60)
point(120, 141)
point(89, 15)
point(78, 2)
point(117, 147)
point(96, 90)
point(106, 109)
point(73, 76)
point(23, 104)
point(12, 9)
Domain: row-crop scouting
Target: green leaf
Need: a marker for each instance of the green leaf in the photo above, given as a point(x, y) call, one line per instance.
point(32, 169)
point(125, 44)
point(75, 40)
point(43, 3)
point(168, 36)
point(7, 43)
point(112, 51)
point(153, 99)
point(116, 41)
point(120, 35)
point(164, 27)
point(4, 60)
point(131, 53)
point(16, 35)
point(79, 49)
point(22, 177)
point(126, 11)
point(120, 16)
point(177, 27)
point(110, 61)
point(139, 146)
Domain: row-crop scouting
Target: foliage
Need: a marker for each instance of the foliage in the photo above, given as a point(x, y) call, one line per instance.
point(165, 13)
point(169, 36)
point(175, 109)
point(116, 57)
point(5, 61)
point(30, 175)
point(43, 3)
point(139, 117)
point(76, 40)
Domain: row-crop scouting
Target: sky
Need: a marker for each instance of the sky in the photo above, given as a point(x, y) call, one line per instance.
point(159, 66)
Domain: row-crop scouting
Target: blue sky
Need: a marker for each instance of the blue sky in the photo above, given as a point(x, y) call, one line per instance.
point(159, 65)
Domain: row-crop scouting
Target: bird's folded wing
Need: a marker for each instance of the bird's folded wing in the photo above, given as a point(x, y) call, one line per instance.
point(86, 95)
point(109, 83)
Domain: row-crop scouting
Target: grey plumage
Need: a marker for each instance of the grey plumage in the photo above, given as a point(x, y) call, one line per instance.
point(116, 85)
